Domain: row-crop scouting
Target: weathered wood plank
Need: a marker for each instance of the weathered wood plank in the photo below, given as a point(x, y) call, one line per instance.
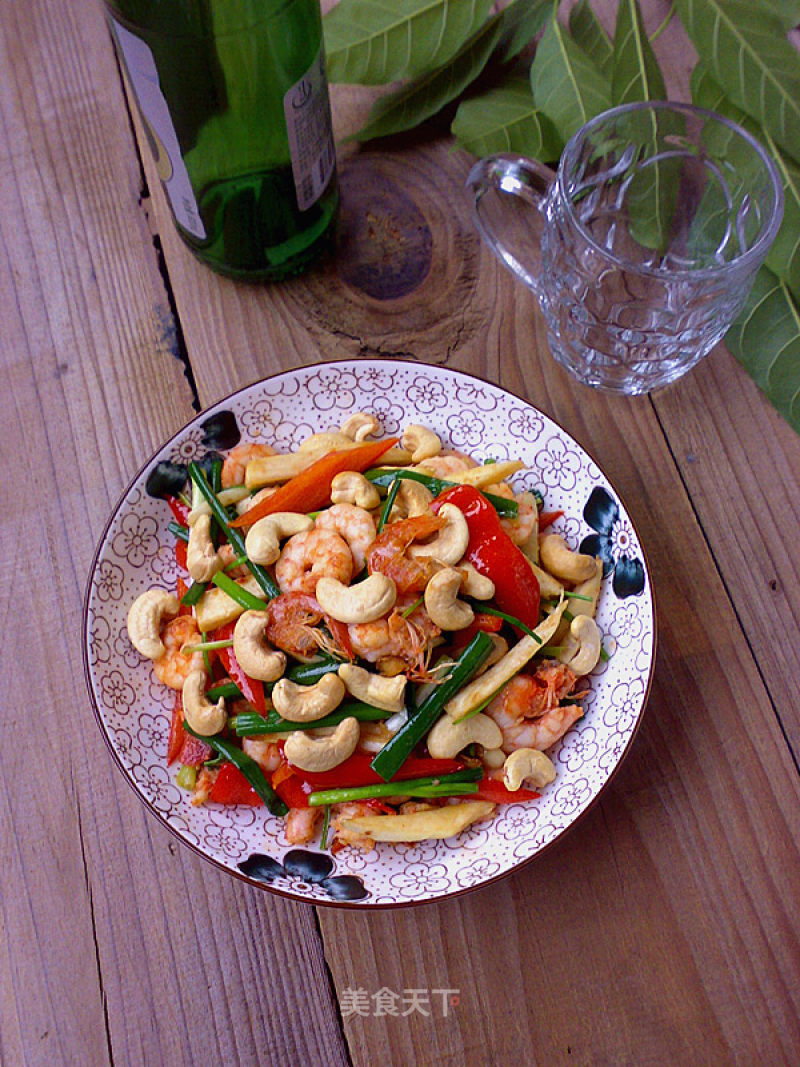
point(117, 944)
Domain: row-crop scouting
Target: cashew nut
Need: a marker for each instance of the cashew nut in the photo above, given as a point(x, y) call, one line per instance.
point(413, 498)
point(581, 648)
point(421, 442)
point(441, 601)
point(450, 542)
point(351, 487)
point(376, 689)
point(263, 541)
point(590, 588)
point(528, 765)
point(360, 425)
point(448, 738)
point(559, 559)
point(363, 602)
point(253, 654)
point(307, 703)
point(325, 442)
point(475, 584)
point(204, 717)
point(145, 616)
point(202, 559)
point(494, 758)
point(322, 753)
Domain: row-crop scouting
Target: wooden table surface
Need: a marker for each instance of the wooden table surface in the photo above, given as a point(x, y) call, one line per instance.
point(663, 929)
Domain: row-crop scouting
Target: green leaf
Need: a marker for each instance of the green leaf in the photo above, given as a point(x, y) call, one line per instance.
point(567, 86)
point(784, 256)
point(787, 11)
point(765, 338)
point(373, 43)
point(504, 119)
point(636, 73)
point(749, 55)
point(521, 21)
point(424, 97)
point(588, 33)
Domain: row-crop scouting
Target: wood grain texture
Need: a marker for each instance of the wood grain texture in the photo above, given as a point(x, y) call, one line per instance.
point(117, 946)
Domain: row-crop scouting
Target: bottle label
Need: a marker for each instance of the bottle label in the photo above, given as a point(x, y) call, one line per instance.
point(143, 77)
point(308, 123)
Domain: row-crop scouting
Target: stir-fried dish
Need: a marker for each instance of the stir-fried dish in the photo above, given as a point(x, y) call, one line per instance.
point(378, 639)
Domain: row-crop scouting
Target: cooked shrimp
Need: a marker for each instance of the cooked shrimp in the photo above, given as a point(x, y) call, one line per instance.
point(387, 553)
point(266, 753)
point(301, 825)
point(173, 667)
point(308, 556)
point(354, 524)
point(397, 637)
point(538, 733)
point(292, 621)
point(525, 524)
point(235, 465)
point(203, 784)
point(446, 464)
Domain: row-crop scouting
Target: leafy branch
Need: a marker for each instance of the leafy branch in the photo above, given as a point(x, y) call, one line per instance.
point(509, 97)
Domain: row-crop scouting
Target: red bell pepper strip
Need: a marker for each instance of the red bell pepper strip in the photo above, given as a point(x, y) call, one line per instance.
point(547, 518)
point(252, 689)
point(310, 490)
point(292, 790)
point(181, 549)
point(494, 790)
point(231, 787)
point(357, 771)
point(177, 734)
point(493, 554)
point(179, 510)
point(490, 624)
point(181, 589)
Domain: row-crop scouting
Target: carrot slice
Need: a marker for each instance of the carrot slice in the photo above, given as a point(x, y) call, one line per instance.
point(310, 490)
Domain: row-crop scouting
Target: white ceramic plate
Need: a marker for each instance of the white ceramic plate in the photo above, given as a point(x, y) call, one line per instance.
point(136, 551)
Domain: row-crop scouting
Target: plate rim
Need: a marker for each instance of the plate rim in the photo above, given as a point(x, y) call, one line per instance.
point(365, 903)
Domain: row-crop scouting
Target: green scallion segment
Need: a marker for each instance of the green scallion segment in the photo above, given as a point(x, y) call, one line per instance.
point(262, 576)
point(308, 673)
point(396, 751)
point(384, 477)
point(387, 507)
point(206, 646)
point(252, 724)
point(249, 601)
point(326, 821)
point(228, 690)
point(186, 777)
point(445, 785)
point(193, 593)
point(181, 532)
point(249, 768)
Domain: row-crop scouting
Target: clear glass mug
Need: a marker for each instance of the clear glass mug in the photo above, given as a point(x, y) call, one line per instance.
point(643, 246)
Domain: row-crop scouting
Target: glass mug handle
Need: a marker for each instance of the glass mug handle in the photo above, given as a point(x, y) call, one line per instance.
point(510, 210)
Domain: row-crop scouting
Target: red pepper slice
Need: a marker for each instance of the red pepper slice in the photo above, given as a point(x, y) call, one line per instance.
point(357, 771)
point(493, 554)
point(547, 518)
point(181, 589)
point(311, 489)
point(292, 790)
point(194, 751)
point(231, 787)
point(490, 624)
point(179, 510)
point(493, 790)
point(252, 689)
point(177, 734)
point(181, 549)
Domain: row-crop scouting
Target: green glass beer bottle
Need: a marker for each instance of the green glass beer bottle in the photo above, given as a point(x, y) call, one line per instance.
point(234, 99)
